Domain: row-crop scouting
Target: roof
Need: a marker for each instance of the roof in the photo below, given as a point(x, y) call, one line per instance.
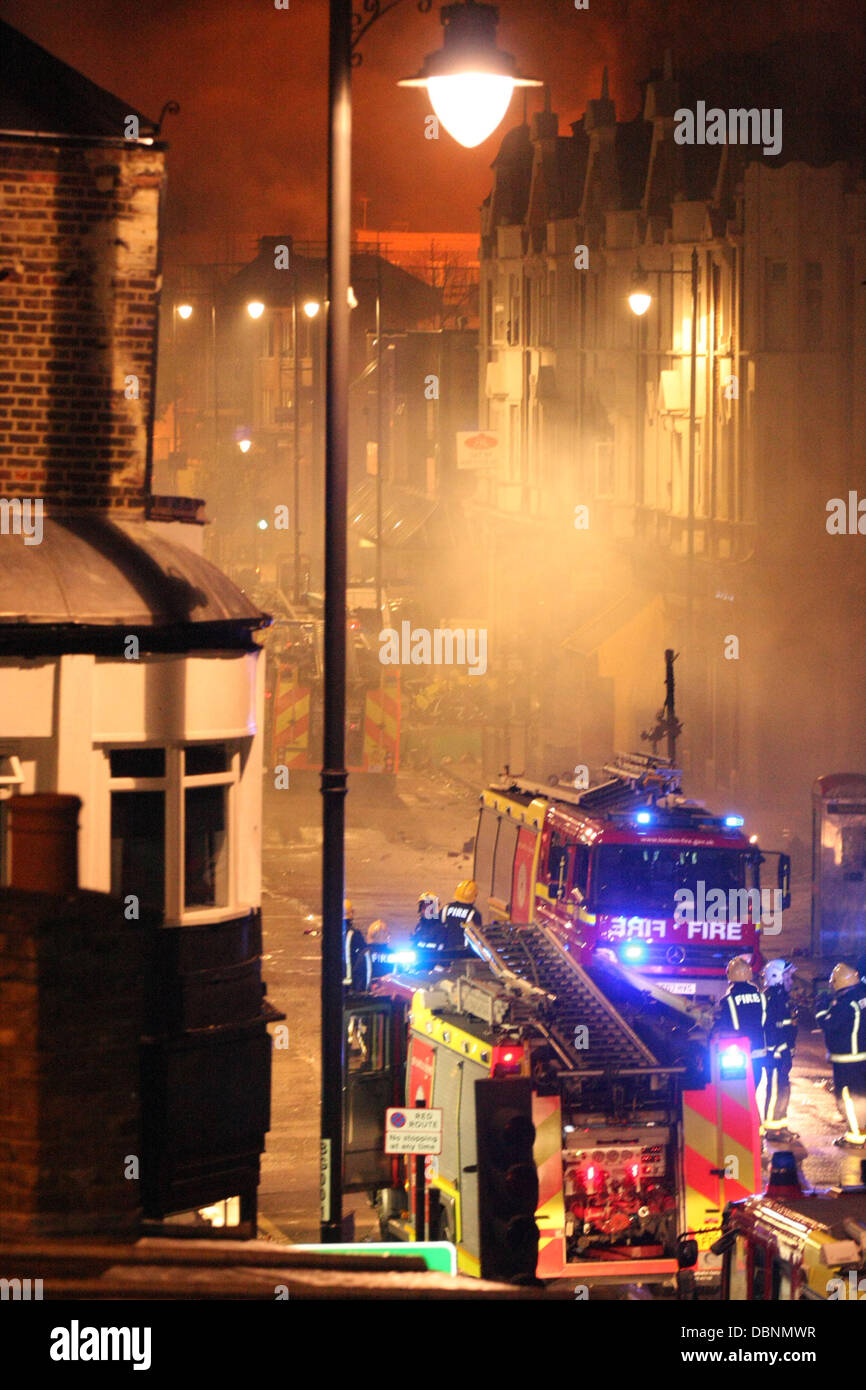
point(40, 93)
point(90, 573)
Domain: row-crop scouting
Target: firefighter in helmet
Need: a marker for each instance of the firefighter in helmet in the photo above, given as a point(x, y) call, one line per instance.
point(461, 913)
point(356, 959)
point(844, 1025)
point(428, 938)
point(780, 1037)
point(741, 1010)
point(379, 948)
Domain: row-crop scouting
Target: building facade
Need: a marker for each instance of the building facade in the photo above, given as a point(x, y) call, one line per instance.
point(657, 519)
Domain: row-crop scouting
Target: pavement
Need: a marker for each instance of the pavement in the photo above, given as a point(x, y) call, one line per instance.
point(399, 844)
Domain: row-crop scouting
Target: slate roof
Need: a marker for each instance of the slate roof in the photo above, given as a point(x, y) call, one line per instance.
point(40, 93)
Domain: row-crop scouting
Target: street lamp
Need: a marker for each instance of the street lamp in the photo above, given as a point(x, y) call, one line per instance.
point(244, 445)
point(470, 51)
point(311, 308)
point(185, 310)
point(470, 82)
point(255, 308)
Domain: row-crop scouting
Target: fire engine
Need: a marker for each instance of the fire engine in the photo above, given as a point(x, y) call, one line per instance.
point(630, 866)
point(787, 1244)
point(590, 1130)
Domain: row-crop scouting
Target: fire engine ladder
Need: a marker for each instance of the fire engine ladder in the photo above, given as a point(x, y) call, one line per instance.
point(532, 953)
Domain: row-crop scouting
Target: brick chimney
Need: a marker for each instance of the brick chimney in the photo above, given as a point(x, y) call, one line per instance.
point(78, 309)
point(79, 286)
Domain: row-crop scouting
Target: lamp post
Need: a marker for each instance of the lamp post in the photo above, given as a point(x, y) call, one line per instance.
point(459, 80)
point(639, 301)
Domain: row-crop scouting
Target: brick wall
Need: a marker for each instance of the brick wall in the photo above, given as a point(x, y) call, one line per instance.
point(79, 258)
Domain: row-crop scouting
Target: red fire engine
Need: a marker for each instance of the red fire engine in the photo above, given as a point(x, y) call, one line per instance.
point(630, 866)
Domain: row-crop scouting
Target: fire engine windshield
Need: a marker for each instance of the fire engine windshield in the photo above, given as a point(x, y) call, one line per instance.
point(644, 878)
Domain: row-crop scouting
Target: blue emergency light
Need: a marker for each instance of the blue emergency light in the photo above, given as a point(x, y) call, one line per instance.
point(734, 821)
point(644, 818)
point(732, 1062)
point(633, 952)
point(402, 958)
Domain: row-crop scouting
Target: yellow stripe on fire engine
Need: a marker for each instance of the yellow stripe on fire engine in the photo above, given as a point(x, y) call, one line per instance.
point(425, 1022)
point(550, 1213)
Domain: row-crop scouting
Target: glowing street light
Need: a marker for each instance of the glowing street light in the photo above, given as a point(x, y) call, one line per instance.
point(470, 82)
point(255, 308)
point(311, 308)
point(244, 445)
point(639, 301)
point(185, 311)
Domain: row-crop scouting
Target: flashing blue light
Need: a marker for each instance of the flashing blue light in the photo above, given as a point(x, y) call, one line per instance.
point(732, 1062)
point(734, 820)
point(402, 958)
point(633, 952)
point(644, 818)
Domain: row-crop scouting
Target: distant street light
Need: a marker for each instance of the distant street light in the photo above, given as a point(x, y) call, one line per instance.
point(185, 310)
point(255, 308)
point(311, 308)
point(244, 445)
point(639, 301)
point(470, 82)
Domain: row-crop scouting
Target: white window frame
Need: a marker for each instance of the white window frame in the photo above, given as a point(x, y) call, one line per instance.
point(174, 786)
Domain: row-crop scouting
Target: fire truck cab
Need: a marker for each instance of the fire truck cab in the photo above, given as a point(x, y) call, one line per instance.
point(629, 866)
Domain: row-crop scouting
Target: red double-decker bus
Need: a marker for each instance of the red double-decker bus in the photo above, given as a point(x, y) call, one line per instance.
point(632, 867)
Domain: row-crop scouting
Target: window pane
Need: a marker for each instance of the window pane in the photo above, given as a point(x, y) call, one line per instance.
point(202, 758)
point(138, 847)
point(206, 847)
point(137, 762)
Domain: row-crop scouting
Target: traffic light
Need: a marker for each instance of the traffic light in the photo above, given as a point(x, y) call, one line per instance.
point(507, 1178)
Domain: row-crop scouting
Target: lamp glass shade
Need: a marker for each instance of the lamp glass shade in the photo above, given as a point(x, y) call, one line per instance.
point(311, 308)
point(255, 308)
point(639, 301)
point(470, 105)
point(184, 310)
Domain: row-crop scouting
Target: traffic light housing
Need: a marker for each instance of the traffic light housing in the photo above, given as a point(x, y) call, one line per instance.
point(507, 1178)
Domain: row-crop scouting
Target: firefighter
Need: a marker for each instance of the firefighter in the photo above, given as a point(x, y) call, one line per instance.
point(459, 913)
point(356, 958)
point(844, 1025)
point(780, 1037)
point(379, 948)
point(428, 938)
point(741, 1010)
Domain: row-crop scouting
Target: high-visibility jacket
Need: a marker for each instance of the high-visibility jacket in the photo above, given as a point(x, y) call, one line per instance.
point(741, 1010)
point(844, 1025)
point(780, 1025)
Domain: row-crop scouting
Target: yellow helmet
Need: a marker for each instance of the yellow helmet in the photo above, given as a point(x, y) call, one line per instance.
point(467, 891)
point(843, 976)
point(739, 969)
point(348, 910)
point(378, 931)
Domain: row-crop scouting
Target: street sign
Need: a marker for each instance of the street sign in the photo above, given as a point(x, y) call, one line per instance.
point(413, 1131)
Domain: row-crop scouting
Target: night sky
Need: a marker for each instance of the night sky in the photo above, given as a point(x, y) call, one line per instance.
point(247, 152)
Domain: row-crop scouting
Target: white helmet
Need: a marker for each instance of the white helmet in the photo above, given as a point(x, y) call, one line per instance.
point(778, 972)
